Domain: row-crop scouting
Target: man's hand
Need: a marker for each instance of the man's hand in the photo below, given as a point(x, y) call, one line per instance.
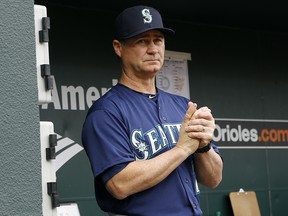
point(188, 144)
point(201, 126)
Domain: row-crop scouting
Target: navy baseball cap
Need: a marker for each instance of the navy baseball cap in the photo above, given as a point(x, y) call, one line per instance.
point(136, 20)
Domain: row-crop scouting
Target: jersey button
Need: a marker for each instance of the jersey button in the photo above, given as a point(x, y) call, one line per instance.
point(164, 118)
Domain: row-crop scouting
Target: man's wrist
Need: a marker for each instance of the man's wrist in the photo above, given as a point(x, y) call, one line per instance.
point(204, 149)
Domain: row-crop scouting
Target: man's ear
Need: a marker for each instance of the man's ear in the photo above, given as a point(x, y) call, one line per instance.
point(117, 47)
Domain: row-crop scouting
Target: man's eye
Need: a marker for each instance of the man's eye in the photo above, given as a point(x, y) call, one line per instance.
point(159, 41)
point(142, 41)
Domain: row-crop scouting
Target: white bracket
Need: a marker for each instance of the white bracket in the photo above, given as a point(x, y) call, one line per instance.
point(44, 78)
point(49, 189)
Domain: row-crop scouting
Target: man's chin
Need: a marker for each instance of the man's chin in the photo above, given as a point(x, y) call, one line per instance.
point(154, 68)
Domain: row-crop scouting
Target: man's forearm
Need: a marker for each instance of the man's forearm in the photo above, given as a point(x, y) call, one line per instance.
point(208, 168)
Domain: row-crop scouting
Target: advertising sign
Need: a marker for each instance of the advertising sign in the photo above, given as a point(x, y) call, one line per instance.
point(251, 133)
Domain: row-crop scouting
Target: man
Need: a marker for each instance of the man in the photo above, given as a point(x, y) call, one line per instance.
point(148, 148)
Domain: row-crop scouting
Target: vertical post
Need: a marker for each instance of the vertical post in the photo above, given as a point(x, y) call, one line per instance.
point(48, 139)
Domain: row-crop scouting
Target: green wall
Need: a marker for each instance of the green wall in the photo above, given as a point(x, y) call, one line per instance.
point(238, 73)
point(20, 164)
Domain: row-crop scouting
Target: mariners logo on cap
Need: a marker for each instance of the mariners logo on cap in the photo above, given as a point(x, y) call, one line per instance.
point(147, 17)
point(136, 20)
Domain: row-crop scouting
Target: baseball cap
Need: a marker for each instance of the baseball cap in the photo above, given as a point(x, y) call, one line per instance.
point(138, 19)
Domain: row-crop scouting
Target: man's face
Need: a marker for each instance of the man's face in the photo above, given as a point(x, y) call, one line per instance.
point(144, 54)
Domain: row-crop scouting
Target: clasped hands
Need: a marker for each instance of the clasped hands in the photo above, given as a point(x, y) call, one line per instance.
point(197, 128)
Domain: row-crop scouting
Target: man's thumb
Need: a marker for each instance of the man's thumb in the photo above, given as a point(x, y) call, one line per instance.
point(190, 111)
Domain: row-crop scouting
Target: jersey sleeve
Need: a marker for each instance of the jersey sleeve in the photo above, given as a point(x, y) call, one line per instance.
point(105, 141)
